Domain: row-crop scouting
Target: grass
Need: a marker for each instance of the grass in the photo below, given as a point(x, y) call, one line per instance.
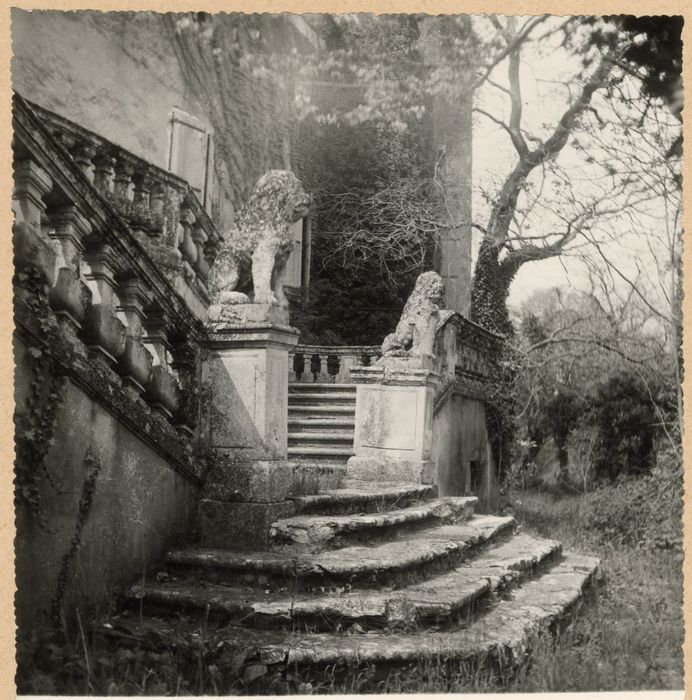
point(628, 637)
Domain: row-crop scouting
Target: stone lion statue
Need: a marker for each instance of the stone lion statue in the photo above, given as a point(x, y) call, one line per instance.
point(415, 332)
point(260, 242)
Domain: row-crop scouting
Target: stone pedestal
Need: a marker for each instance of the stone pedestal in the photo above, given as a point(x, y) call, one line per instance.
point(246, 377)
point(394, 415)
point(246, 374)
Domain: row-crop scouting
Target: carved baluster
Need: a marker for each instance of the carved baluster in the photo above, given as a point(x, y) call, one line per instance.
point(333, 365)
point(142, 188)
point(315, 366)
point(185, 362)
point(70, 296)
point(121, 186)
point(31, 184)
point(162, 389)
point(136, 362)
point(82, 154)
point(103, 174)
point(31, 249)
point(299, 365)
point(157, 197)
point(187, 245)
point(199, 236)
point(211, 248)
point(102, 331)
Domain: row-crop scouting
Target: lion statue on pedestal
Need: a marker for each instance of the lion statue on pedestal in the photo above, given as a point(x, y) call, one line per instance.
point(415, 332)
point(260, 242)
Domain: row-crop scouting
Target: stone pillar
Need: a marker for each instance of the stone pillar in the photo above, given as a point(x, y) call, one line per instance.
point(245, 375)
point(394, 416)
point(247, 372)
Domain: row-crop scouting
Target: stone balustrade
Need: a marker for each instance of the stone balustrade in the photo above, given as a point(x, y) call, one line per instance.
point(79, 221)
point(161, 209)
point(329, 363)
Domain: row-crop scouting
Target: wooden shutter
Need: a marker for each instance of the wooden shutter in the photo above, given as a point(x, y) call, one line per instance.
point(190, 154)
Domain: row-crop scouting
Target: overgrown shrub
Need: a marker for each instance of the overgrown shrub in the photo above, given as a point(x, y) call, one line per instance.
point(644, 511)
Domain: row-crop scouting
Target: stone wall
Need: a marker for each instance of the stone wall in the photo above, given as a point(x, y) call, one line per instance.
point(140, 505)
point(460, 446)
point(120, 74)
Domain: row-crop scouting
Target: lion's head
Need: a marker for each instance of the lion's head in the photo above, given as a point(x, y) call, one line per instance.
point(429, 287)
point(277, 199)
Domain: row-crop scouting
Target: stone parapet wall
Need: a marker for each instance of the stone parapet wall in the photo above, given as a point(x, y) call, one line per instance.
point(108, 356)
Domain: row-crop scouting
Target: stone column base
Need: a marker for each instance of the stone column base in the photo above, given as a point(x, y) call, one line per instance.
point(394, 470)
point(244, 526)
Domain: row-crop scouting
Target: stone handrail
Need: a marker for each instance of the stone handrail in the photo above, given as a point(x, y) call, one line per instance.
point(329, 363)
point(161, 209)
point(119, 311)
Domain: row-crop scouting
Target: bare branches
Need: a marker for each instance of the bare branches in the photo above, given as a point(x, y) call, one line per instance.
point(392, 227)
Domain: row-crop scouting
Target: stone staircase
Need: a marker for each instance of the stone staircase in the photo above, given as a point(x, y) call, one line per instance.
point(321, 422)
point(387, 575)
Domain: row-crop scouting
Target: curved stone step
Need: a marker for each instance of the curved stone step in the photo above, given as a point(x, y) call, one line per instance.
point(297, 451)
point(503, 634)
point(370, 500)
point(440, 600)
point(313, 529)
point(420, 555)
point(506, 630)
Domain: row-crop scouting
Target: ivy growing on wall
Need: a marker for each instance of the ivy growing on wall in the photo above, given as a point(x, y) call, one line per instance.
point(35, 421)
point(92, 467)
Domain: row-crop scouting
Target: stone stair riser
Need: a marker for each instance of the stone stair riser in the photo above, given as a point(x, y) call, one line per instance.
point(340, 530)
point(321, 505)
point(440, 559)
point(317, 388)
point(456, 598)
point(344, 399)
point(331, 439)
point(310, 425)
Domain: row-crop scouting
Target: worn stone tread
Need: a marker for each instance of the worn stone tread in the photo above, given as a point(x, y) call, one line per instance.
point(507, 629)
point(439, 598)
point(310, 529)
point(353, 499)
point(435, 544)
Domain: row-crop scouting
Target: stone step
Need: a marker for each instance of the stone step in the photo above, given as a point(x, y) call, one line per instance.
point(441, 600)
point(362, 500)
point(326, 397)
point(506, 631)
point(420, 555)
point(327, 453)
point(502, 635)
point(318, 411)
point(305, 438)
point(297, 425)
point(317, 387)
point(335, 529)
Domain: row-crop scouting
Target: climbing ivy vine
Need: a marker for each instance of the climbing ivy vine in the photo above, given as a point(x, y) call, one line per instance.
point(35, 421)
